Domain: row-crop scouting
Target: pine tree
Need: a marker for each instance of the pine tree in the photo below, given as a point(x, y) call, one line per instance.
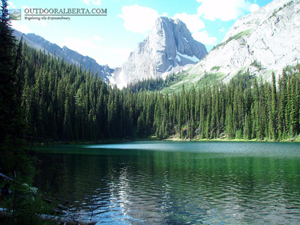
point(63, 102)
point(293, 106)
point(273, 118)
point(12, 128)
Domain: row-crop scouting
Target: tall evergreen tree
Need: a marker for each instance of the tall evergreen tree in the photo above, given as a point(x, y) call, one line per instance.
point(13, 158)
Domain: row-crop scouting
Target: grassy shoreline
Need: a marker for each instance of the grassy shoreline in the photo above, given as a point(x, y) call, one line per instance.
point(231, 140)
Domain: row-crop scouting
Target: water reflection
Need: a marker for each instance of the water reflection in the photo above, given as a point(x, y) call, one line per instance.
point(124, 186)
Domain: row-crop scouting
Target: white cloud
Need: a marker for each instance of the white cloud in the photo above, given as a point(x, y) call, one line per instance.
point(195, 25)
point(204, 38)
point(82, 46)
point(93, 2)
point(97, 38)
point(254, 7)
point(100, 52)
point(11, 5)
point(114, 56)
point(138, 19)
point(193, 22)
point(225, 10)
point(123, 53)
point(20, 27)
point(222, 30)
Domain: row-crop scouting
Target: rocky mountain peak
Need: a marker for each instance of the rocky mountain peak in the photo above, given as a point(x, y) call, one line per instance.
point(262, 42)
point(168, 46)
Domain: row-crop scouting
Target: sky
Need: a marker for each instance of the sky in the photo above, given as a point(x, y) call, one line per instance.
point(110, 39)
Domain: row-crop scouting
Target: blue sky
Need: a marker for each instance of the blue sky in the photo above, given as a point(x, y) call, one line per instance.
point(109, 39)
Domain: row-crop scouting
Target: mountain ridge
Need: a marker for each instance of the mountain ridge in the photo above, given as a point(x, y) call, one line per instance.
point(260, 43)
point(69, 55)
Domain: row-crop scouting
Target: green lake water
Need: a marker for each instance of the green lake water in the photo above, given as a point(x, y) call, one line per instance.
point(176, 182)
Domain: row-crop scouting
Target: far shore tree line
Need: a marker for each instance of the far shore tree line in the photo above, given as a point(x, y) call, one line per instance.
point(65, 103)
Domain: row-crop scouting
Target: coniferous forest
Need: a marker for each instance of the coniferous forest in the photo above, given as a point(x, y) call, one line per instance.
point(65, 103)
point(45, 100)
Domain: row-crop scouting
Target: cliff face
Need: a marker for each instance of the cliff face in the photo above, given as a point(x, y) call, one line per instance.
point(168, 46)
point(264, 41)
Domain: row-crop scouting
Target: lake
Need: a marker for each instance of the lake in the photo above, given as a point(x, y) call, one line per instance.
point(161, 182)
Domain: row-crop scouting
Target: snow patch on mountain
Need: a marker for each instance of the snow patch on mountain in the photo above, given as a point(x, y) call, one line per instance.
point(191, 58)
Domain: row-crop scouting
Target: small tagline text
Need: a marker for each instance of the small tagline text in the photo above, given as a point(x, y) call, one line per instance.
point(39, 18)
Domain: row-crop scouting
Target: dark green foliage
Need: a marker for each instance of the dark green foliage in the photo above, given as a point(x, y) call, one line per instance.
point(256, 64)
point(156, 84)
point(217, 68)
point(14, 161)
point(148, 85)
point(64, 103)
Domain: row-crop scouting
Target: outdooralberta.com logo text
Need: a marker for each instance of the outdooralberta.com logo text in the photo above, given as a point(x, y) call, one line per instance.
point(59, 14)
point(65, 12)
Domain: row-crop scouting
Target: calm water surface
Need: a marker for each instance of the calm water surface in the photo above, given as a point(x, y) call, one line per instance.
point(176, 182)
